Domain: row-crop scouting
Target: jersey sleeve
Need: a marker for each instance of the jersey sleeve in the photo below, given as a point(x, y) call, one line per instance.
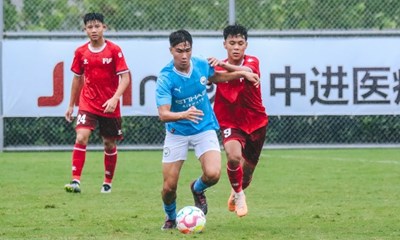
point(210, 71)
point(76, 67)
point(120, 63)
point(163, 91)
point(253, 63)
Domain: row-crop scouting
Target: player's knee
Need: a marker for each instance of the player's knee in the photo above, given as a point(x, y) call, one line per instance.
point(213, 176)
point(169, 189)
point(233, 164)
point(80, 139)
point(109, 145)
point(234, 158)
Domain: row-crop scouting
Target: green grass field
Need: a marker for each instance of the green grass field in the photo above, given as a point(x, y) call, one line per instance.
point(295, 194)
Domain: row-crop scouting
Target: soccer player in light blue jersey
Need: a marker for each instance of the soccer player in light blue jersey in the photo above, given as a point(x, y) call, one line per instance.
point(183, 104)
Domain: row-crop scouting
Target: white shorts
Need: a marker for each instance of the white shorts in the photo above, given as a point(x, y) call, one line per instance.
point(176, 146)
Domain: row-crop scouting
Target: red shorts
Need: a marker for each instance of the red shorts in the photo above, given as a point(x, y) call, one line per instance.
point(109, 127)
point(252, 144)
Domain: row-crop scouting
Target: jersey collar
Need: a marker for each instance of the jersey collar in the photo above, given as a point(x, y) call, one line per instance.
point(186, 75)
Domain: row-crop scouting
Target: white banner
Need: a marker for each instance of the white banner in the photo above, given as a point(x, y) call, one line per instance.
point(300, 76)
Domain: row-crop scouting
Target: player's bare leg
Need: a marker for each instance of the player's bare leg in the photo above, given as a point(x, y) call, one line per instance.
point(211, 166)
point(248, 170)
point(171, 173)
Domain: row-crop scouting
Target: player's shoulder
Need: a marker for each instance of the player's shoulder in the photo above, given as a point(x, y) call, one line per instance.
point(200, 62)
point(82, 47)
point(250, 58)
point(166, 71)
point(112, 45)
point(199, 59)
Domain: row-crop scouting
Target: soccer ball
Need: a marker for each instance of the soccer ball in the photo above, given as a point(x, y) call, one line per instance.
point(190, 219)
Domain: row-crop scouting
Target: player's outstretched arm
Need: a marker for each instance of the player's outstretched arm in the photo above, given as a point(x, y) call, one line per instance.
point(227, 66)
point(229, 76)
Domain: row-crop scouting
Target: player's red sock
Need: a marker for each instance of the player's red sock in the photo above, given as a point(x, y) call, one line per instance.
point(235, 175)
point(110, 161)
point(78, 160)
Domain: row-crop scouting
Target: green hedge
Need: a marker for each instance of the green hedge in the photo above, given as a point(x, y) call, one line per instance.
point(281, 130)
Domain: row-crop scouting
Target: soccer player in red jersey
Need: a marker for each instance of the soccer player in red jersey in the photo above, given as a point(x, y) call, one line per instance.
point(241, 115)
point(101, 76)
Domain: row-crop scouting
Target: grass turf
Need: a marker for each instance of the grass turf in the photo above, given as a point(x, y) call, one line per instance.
point(295, 194)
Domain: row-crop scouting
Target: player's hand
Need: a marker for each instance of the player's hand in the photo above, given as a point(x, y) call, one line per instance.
point(68, 114)
point(110, 105)
point(252, 77)
point(193, 114)
point(214, 62)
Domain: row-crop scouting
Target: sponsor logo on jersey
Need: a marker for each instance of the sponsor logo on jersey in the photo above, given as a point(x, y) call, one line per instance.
point(107, 60)
point(192, 99)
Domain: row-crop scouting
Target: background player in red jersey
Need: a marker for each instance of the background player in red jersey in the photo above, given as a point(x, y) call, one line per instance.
point(241, 115)
point(101, 76)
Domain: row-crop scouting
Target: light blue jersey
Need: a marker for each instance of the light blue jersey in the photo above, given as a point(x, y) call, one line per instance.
point(182, 91)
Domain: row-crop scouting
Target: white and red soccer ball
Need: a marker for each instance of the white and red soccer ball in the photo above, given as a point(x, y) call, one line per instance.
point(190, 219)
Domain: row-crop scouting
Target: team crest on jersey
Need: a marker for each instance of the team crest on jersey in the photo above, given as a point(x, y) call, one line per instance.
point(203, 80)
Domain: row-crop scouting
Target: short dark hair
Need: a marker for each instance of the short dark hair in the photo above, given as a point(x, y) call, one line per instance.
point(236, 29)
point(180, 36)
point(93, 16)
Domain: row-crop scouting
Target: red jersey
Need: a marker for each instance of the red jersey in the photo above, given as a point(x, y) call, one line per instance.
point(101, 71)
point(238, 103)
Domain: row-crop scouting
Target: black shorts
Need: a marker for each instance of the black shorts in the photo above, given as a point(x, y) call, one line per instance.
point(109, 127)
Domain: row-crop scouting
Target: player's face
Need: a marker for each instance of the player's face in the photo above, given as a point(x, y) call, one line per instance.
point(182, 53)
point(236, 47)
point(94, 30)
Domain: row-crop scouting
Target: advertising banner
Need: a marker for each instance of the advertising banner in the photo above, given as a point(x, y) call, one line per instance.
point(299, 76)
